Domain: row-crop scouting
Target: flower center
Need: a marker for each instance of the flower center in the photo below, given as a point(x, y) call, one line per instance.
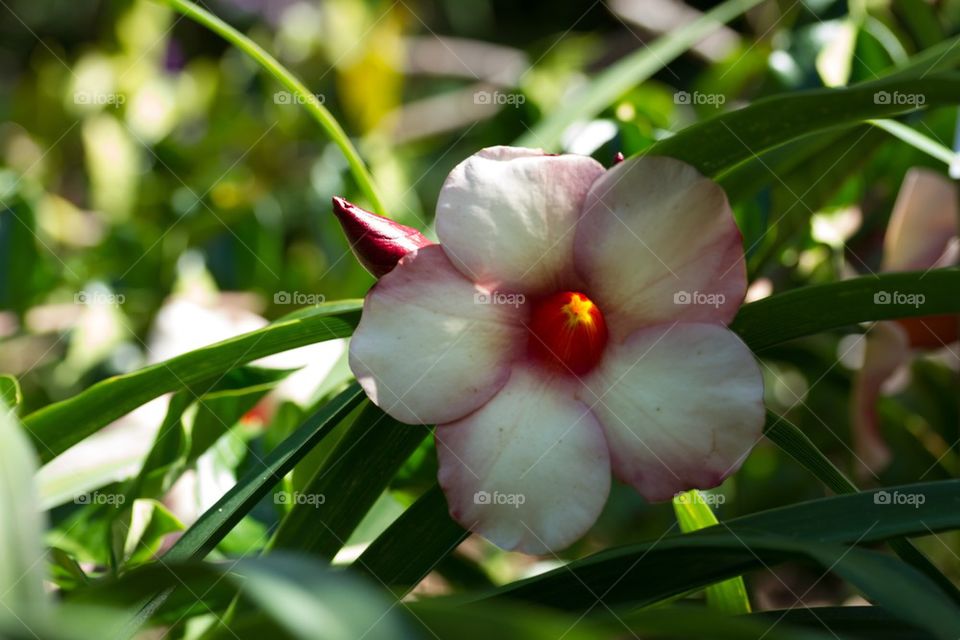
point(568, 331)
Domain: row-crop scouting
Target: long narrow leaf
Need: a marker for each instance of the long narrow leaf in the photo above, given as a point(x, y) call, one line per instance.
point(310, 102)
point(721, 143)
point(810, 310)
point(60, 425)
point(627, 73)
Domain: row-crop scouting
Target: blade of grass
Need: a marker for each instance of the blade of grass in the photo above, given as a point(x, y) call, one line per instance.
point(627, 73)
point(310, 102)
point(917, 140)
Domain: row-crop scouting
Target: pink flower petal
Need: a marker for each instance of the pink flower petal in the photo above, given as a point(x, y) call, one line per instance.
point(923, 223)
point(506, 216)
point(657, 242)
point(886, 349)
point(681, 406)
point(529, 470)
point(425, 351)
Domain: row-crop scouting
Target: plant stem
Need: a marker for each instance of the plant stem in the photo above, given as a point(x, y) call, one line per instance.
point(323, 117)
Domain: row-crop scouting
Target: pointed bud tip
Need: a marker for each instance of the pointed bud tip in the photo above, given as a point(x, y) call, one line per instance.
point(377, 242)
point(618, 158)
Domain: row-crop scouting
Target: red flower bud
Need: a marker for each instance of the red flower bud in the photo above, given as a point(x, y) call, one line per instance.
point(377, 242)
point(618, 158)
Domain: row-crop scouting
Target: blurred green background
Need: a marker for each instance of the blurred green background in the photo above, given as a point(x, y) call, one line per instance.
point(143, 161)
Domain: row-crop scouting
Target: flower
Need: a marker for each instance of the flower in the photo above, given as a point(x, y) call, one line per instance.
point(922, 235)
point(570, 322)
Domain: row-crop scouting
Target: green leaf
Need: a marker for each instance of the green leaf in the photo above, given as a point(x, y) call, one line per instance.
point(309, 601)
point(874, 623)
point(694, 513)
point(338, 496)
point(218, 521)
point(210, 528)
point(674, 566)
point(625, 74)
point(304, 96)
point(181, 439)
point(10, 395)
point(918, 141)
point(788, 437)
point(59, 426)
point(810, 310)
point(22, 561)
point(719, 144)
point(140, 532)
point(510, 620)
point(650, 572)
point(827, 148)
point(413, 545)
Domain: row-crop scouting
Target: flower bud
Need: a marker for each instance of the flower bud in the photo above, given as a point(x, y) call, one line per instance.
point(378, 243)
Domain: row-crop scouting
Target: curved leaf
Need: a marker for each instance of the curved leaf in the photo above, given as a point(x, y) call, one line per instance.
point(650, 572)
point(719, 144)
point(627, 73)
point(58, 426)
point(413, 545)
point(810, 310)
point(310, 102)
point(217, 521)
point(341, 496)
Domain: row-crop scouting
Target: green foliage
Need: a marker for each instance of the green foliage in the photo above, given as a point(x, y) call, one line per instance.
point(243, 509)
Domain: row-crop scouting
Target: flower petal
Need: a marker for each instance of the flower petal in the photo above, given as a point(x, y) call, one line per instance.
point(657, 242)
point(923, 223)
point(425, 351)
point(886, 349)
point(530, 470)
point(681, 406)
point(506, 216)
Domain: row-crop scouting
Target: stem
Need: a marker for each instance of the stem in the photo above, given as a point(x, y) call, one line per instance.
point(323, 117)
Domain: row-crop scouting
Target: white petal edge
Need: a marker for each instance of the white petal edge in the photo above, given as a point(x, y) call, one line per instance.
point(681, 406)
point(923, 223)
point(506, 216)
point(427, 349)
point(532, 444)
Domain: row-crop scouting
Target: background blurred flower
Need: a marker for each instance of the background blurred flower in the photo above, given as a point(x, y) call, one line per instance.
point(921, 235)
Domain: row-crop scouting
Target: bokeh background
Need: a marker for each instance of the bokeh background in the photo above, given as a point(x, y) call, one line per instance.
point(158, 192)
